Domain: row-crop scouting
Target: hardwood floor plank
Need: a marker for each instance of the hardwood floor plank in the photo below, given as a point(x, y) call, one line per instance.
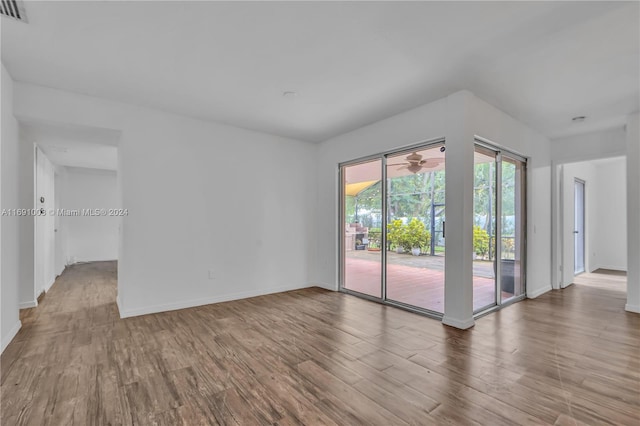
point(355, 402)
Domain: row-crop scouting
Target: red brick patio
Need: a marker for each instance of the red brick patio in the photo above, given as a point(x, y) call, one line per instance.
point(415, 286)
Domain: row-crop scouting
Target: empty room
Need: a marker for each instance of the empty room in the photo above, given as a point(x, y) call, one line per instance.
point(320, 213)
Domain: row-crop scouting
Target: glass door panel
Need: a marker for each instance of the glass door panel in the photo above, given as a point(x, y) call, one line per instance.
point(416, 228)
point(512, 228)
point(484, 228)
point(362, 223)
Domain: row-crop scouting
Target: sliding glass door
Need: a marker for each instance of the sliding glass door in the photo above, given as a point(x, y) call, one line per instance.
point(415, 220)
point(498, 228)
point(362, 222)
point(485, 211)
point(393, 228)
point(512, 227)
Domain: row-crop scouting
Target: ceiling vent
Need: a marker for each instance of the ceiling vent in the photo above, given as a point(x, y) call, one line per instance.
point(13, 9)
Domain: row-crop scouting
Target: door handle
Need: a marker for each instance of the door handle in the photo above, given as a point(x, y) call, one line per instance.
point(576, 232)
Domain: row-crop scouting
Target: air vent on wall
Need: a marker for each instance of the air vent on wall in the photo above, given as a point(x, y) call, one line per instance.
point(13, 9)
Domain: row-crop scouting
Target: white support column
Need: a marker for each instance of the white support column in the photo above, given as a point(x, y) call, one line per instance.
point(633, 213)
point(458, 292)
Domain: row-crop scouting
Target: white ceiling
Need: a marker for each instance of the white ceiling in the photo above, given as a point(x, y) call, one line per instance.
point(75, 146)
point(352, 63)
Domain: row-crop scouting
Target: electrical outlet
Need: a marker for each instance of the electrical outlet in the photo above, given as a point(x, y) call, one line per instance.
point(212, 274)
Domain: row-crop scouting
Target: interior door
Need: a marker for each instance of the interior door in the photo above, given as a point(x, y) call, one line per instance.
point(578, 232)
point(40, 225)
point(44, 250)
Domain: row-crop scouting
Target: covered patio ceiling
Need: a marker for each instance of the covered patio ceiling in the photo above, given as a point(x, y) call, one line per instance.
point(361, 176)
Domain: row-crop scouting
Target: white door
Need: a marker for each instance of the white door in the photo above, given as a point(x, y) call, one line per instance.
point(45, 224)
point(578, 231)
point(60, 250)
point(40, 225)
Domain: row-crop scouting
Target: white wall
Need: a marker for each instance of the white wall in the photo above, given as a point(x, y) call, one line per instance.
point(610, 251)
point(45, 271)
point(61, 250)
point(3, 111)
point(89, 238)
point(9, 251)
point(633, 215)
point(590, 146)
point(201, 196)
point(458, 273)
point(26, 227)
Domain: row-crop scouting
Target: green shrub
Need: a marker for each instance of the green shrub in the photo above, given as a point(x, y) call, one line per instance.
point(480, 241)
point(415, 235)
point(394, 233)
point(412, 235)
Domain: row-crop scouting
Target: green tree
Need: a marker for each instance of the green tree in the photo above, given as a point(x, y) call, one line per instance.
point(411, 195)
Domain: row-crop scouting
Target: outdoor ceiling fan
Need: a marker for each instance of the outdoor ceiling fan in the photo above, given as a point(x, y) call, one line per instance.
point(415, 163)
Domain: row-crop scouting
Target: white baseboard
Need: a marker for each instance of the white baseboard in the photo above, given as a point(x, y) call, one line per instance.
point(78, 260)
point(329, 287)
point(612, 268)
point(61, 271)
point(632, 308)
point(9, 337)
point(539, 292)
point(153, 309)
point(48, 286)
point(27, 305)
point(461, 324)
point(119, 305)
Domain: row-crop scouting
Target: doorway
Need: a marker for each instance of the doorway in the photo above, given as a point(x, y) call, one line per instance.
point(579, 226)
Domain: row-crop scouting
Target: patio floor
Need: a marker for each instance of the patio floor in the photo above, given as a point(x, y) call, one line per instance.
point(414, 280)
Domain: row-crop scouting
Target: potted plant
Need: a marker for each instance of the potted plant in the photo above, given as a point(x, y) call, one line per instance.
point(374, 239)
point(415, 236)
